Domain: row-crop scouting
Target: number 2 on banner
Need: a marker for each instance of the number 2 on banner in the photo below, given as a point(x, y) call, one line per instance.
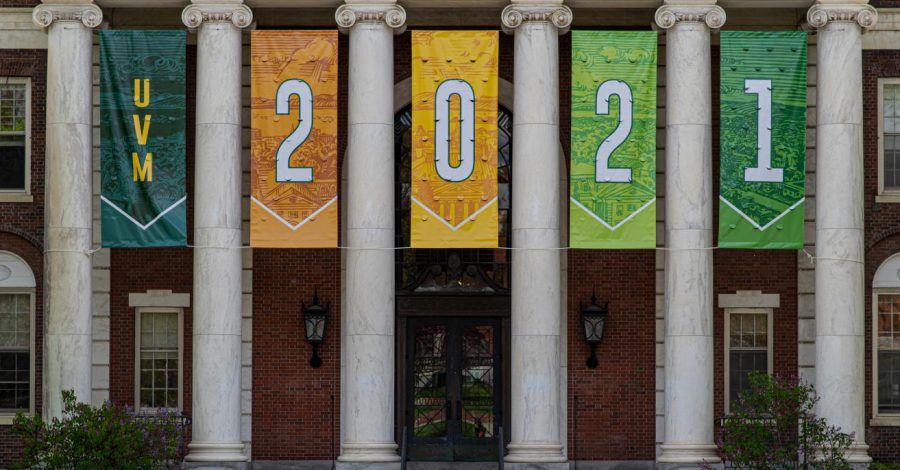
point(605, 174)
point(463, 170)
point(284, 172)
point(763, 172)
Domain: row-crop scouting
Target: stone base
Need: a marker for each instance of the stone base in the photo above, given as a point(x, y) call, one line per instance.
point(368, 465)
point(218, 465)
point(292, 464)
point(536, 466)
point(612, 465)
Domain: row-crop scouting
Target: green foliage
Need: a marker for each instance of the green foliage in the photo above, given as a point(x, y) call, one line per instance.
point(773, 426)
point(884, 466)
point(92, 438)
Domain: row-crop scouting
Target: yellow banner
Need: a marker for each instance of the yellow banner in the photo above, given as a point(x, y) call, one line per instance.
point(454, 139)
point(293, 149)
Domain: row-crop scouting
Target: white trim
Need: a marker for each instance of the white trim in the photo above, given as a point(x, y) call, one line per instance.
point(459, 225)
point(622, 222)
point(770, 320)
point(23, 195)
point(879, 419)
point(159, 298)
point(749, 299)
point(137, 354)
point(148, 224)
point(752, 222)
point(7, 417)
point(889, 196)
point(302, 222)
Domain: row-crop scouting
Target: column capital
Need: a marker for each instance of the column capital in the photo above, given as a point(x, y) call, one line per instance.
point(668, 16)
point(391, 14)
point(821, 14)
point(46, 14)
point(515, 14)
point(238, 14)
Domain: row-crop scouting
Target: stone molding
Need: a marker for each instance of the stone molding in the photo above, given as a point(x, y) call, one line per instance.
point(515, 15)
point(238, 14)
point(159, 298)
point(668, 16)
point(820, 15)
point(88, 14)
point(749, 299)
point(348, 15)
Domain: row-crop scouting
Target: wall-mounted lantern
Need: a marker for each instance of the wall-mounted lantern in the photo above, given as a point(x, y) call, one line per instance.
point(594, 318)
point(315, 317)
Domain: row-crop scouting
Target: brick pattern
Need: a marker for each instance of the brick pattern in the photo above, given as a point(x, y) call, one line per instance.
point(19, 3)
point(22, 224)
point(619, 394)
point(881, 228)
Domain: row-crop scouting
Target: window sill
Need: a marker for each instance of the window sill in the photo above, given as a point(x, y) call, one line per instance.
point(887, 198)
point(7, 419)
point(16, 197)
point(885, 421)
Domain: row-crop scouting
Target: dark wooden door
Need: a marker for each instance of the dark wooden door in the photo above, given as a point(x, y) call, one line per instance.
point(454, 388)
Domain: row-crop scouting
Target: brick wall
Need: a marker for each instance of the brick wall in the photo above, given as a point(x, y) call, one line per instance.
point(19, 3)
point(882, 231)
point(611, 408)
point(22, 224)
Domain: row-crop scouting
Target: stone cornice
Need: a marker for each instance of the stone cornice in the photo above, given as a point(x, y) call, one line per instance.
point(348, 15)
point(195, 15)
point(668, 16)
point(515, 15)
point(46, 14)
point(820, 15)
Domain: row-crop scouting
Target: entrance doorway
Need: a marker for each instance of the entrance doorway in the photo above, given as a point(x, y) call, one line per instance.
point(454, 381)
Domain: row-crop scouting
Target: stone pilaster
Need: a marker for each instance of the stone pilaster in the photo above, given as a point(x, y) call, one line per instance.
point(67, 218)
point(535, 336)
point(840, 251)
point(689, 352)
point(367, 385)
point(216, 411)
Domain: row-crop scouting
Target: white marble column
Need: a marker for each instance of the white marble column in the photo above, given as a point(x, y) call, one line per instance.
point(367, 389)
point(216, 405)
point(840, 301)
point(535, 374)
point(67, 216)
point(689, 351)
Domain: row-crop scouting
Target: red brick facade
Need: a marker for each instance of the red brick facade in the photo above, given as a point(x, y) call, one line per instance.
point(882, 229)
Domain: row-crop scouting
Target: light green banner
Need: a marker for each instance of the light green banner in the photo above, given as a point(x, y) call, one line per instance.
point(762, 139)
point(613, 169)
point(143, 198)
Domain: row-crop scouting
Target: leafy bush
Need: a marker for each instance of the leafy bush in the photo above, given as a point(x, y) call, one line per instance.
point(773, 426)
point(111, 436)
point(884, 466)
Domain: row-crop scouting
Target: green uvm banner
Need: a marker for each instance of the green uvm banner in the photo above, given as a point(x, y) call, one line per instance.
point(763, 139)
point(142, 112)
point(613, 168)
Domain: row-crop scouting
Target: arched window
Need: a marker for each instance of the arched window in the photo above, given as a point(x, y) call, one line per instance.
point(17, 289)
point(433, 270)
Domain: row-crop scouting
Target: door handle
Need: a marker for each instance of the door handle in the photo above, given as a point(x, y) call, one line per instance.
point(458, 411)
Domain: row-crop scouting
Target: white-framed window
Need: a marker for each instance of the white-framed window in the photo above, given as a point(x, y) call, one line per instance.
point(17, 338)
point(159, 354)
point(15, 139)
point(748, 348)
point(886, 355)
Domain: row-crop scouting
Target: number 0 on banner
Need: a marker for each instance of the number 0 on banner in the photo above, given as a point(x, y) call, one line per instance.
point(454, 141)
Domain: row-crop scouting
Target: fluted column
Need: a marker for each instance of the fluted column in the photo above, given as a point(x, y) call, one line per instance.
point(840, 301)
point(67, 212)
point(216, 404)
point(534, 365)
point(689, 221)
point(367, 389)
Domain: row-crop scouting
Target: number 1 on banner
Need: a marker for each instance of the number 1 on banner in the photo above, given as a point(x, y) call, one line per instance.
point(610, 88)
point(463, 170)
point(763, 172)
point(284, 172)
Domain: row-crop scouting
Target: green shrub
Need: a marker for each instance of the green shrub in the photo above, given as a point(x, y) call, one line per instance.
point(89, 438)
point(773, 426)
point(884, 466)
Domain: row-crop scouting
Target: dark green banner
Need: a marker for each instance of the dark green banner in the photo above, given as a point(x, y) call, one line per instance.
point(143, 197)
point(762, 139)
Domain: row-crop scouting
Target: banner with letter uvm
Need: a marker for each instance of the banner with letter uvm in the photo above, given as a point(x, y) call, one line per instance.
point(454, 139)
point(762, 139)
point(613, 169)
point(293, 149)
point(142, 151)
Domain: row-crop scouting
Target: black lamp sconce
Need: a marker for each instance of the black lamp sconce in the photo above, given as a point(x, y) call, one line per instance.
point(594, 318)
point(315, 316)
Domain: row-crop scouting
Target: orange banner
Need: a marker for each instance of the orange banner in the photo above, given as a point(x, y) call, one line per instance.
point(454, 141)
point(293, 149)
